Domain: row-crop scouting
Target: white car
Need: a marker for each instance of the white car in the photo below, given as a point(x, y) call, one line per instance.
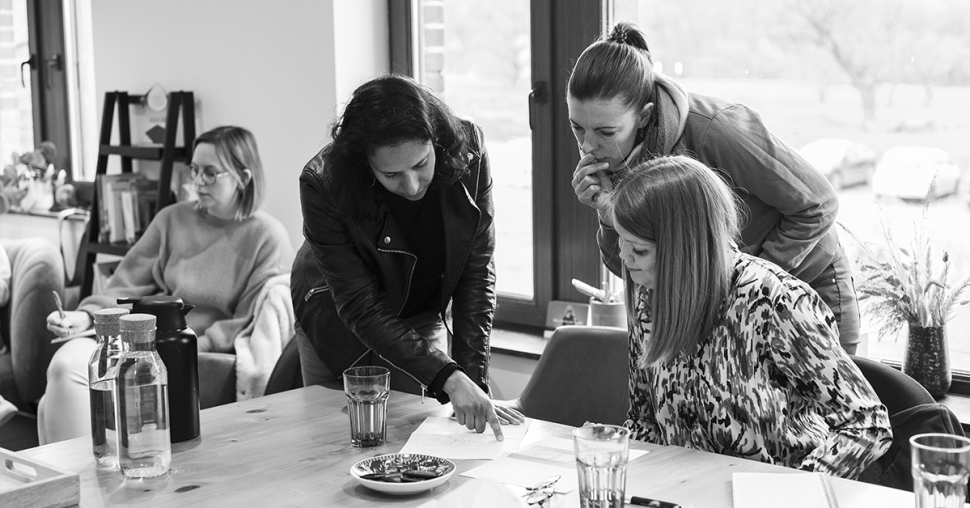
point(842, 161)
point(907, 171)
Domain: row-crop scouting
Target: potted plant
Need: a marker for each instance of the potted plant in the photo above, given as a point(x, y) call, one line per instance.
point(910, 282)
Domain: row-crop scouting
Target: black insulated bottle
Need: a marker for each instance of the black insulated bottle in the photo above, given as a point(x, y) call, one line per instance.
point(178, 347)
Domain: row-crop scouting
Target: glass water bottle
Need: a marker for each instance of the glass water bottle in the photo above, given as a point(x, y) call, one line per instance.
point(144, 446)
point(102, 369)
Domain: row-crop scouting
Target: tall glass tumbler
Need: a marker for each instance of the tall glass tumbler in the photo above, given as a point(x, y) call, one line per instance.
point(941, 464)
point(602, 452)
point(367, 389)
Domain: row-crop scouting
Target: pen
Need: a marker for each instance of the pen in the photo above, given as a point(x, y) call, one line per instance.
point(60, 306)
point(654, 503)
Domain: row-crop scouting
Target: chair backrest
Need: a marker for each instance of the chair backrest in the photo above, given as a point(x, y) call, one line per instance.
point(217, 379)
point(893, 468)
point(912, 410)
point(582, 376)
point(287, 374)
point(897, 391)
point(37, 271)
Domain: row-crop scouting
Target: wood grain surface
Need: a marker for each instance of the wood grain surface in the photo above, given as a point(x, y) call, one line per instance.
point(293, 449)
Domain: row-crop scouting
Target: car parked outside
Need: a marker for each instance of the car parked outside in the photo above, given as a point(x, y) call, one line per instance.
point(907, 172)
point(844, 162)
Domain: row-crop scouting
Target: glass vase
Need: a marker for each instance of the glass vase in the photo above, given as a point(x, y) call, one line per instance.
point(928, 358)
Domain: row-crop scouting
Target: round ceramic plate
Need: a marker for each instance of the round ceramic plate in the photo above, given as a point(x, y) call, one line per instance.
point(403, 465)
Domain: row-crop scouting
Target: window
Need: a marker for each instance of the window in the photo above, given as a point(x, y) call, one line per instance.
point(879, 75)
point(16, 107)
point(41, 83)
point(503, 64)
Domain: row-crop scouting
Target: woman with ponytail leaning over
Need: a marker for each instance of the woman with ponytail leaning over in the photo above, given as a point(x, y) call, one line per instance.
point(623, 113)
point(729, 353)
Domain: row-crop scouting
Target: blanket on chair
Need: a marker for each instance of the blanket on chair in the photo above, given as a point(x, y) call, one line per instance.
point(259, 345)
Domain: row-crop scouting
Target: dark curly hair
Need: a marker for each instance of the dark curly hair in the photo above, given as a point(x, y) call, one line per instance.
point(388, 111)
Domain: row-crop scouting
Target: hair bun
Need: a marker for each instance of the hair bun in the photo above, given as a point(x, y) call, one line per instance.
point(619, 33)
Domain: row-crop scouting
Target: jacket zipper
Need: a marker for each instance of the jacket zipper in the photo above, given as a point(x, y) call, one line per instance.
point(314, 291)
point(407, 291)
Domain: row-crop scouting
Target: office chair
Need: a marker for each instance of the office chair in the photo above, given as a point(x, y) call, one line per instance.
point(581, 377)
point(287, 374)
point(912, 410)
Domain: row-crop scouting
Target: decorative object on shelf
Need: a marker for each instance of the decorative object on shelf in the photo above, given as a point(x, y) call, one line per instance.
point(910, 282)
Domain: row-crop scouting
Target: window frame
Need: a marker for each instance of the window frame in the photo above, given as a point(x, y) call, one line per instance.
point(51, 110)
point(564, 230)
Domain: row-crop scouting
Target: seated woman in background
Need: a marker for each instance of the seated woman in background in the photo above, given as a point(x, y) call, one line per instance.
point(728, 352)
point(397, 216)
point(215, 252)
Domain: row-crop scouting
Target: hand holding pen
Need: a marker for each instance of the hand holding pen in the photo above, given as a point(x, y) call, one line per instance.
point(67, 324)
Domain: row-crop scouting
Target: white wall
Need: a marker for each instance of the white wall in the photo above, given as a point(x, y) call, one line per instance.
point(279, 68)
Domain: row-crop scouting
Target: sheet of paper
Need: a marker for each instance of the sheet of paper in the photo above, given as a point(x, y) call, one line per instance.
point(445, 437)
point(793, 490)
point(546, 458)
point(86, 333)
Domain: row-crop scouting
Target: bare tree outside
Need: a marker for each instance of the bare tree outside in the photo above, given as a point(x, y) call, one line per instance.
point(891, 76)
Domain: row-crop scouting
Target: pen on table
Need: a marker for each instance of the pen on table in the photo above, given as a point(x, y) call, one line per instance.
point(60, 306)
point(644, 501)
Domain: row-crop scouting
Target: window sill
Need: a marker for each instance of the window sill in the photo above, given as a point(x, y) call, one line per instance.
point(46, 213)
point(525, 343)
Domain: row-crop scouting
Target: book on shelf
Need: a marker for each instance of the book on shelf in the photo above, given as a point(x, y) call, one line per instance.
point(127, 205)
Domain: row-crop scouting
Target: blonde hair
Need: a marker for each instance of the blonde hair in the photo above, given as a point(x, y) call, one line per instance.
point(236, 150)
point(693, 217)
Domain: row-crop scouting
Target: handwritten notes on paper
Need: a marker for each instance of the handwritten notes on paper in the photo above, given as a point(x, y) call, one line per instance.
point(445, 437)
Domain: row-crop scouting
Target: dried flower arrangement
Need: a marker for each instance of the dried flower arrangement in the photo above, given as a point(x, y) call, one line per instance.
point(909, 282)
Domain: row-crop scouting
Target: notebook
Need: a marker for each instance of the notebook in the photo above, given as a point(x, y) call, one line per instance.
point(791, 490)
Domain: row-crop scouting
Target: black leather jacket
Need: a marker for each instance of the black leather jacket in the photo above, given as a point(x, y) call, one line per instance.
point(351, 277)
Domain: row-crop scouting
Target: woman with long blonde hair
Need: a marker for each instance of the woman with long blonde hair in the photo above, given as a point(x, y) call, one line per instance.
point(728, 352)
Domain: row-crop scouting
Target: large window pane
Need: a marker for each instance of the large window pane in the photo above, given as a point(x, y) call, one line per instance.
point(878, 73)
point(16, 111)
point(477, 55)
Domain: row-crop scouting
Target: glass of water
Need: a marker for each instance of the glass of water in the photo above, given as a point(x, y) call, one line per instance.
point(941, 463)
point(367, 389)
point(602, 452)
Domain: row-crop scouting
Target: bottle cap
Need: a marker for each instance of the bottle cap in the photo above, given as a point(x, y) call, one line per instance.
point(106, 321)
point(138, 323)
point(170, 310)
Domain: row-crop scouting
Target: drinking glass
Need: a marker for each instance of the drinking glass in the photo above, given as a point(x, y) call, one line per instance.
point(941, 463)
point(602, 452)
point(367, 389)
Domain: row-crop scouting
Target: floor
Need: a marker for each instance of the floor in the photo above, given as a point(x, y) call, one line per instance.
point(19, 433)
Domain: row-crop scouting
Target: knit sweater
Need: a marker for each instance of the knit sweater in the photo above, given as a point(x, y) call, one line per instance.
point(218, 265)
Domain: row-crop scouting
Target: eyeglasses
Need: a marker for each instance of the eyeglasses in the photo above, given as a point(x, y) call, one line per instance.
point(540, 493)
point(208, 174)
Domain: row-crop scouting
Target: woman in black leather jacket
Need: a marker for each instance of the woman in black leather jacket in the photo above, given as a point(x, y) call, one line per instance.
point(397, 215)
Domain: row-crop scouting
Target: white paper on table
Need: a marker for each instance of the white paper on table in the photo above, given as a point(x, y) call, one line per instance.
point(546, 458)
point(445, 437)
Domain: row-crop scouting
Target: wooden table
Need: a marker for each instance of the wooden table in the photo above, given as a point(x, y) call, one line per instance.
point(293, 449)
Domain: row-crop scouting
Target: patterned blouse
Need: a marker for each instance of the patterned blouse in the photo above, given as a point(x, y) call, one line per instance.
point(770, 383)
